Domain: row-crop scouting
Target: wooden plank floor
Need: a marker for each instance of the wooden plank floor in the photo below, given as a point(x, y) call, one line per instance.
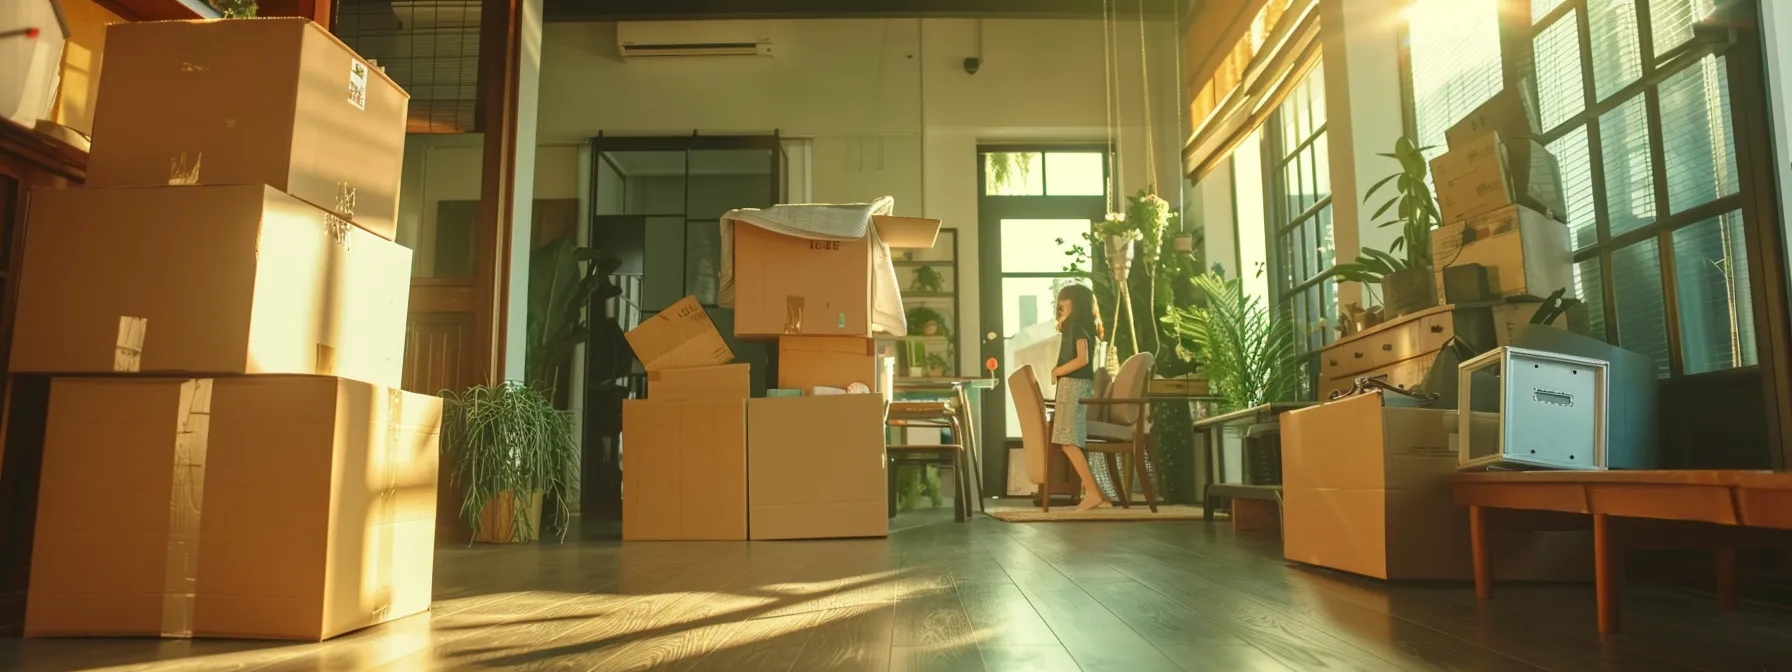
point(980, 596)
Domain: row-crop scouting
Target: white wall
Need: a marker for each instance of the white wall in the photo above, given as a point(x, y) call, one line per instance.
point(884, 104)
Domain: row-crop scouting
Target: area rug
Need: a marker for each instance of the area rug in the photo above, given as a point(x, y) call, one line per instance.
point(1114, 514)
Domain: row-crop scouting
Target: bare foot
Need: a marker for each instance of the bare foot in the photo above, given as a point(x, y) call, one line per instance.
point(1091, 504)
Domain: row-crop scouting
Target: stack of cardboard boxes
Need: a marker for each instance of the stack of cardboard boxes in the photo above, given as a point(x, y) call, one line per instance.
point(221, 313)
point(1364, 477)
point(702, 461)
point(1499, 192)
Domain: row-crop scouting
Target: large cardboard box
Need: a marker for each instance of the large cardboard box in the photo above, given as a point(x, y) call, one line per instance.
point(788, 286)
point(729, 381)
point(807, 362)
point(1365, 491)
point(1510, 113)
point(207, 280)
point(684, 470)
point(1493, 172)
point(815, 467)
point(1525, 253)
point(277, 507)
point(271, 101)
point(679, 337)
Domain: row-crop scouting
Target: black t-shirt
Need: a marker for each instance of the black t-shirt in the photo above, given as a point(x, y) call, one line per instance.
point(1067, 349)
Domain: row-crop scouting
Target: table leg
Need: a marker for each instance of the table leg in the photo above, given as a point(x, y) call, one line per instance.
point(1725, 559)
point(973, 446)
point(1477, 531)
point(1605, 559)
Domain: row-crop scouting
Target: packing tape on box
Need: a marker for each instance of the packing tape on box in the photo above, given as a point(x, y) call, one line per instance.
point(183, 171)
point(793, 314)
point(345, 199)
point(385, 511)
point(341, 232)
point(127, 351)
point(186, 497)
point(325, 361)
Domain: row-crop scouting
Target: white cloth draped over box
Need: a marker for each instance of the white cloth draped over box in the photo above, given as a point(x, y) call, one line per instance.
point(825, 222)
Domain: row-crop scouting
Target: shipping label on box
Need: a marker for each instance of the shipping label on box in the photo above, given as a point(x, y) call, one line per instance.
point(679, 337)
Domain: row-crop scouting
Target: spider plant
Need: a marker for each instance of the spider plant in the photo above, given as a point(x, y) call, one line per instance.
point(1246, 348)
point(508, 441)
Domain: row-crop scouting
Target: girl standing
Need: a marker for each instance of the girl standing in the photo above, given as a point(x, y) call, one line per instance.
point(1080, 327)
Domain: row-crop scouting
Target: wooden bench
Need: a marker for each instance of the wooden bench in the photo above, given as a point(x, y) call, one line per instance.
point(1253, 507)
point(1731, 500)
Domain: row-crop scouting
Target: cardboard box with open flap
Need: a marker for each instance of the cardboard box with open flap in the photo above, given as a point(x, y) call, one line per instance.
point(791, 286)
point(679, 337)
point(1493, 172)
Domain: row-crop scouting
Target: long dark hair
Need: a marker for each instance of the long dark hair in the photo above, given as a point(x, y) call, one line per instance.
point(1082, 309)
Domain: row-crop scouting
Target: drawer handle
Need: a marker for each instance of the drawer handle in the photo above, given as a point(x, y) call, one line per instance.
point(1387, 347)
point(1357, 355)
point(1437, 328)
point(1332, 363)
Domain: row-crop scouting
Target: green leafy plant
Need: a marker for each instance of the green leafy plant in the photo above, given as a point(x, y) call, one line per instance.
point(1246, 348)
point(508, 440)
point(564, 280)
point(1415, 212)
point(937, 362)
point(928, 279)
point(1116, 226)
point(1008, 169)
point(919, 316)
point(235, 9)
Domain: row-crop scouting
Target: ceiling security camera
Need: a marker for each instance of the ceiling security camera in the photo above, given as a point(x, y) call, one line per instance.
point(972, 64)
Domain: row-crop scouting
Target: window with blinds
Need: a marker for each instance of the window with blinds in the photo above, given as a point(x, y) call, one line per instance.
point(1633, 98)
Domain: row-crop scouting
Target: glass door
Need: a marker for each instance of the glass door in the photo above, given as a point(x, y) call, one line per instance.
point(1036, 208)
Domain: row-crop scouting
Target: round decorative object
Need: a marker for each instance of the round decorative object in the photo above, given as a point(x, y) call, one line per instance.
point(931, 328)
point(858, 388)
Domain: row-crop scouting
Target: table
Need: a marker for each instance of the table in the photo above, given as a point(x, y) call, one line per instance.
point(1214, 430)
point(968, 394)
point(1731, 499)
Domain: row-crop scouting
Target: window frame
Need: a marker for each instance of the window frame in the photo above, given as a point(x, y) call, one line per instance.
point(1281, 223)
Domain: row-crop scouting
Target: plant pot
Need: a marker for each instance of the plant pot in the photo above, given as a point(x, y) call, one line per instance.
point(936, 372)
point(1119, 256)
point(931, 328)
point(497, 521)
point(916, 372)
point(1407, 291)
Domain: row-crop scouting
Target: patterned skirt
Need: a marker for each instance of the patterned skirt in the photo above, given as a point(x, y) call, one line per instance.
point(1070, 427)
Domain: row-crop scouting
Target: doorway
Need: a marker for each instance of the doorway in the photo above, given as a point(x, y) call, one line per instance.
point(656, 210)
point(1035, 206)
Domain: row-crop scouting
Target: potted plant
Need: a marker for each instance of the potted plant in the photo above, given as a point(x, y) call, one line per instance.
point(937, 366)
point(235, 9)
point(928, 280)
point(508, 446)
point(1406, 281)
point(1117, 237)
point(1246, 349)
point(927, 322)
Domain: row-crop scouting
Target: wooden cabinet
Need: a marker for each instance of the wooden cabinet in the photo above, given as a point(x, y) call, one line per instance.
point(28, 161)
point(1400, 352)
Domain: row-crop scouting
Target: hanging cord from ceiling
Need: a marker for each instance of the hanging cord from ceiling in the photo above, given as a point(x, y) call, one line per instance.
point(1145, 88)
point(1111, 101)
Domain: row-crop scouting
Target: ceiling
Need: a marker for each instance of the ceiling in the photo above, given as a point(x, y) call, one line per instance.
point(639, 10)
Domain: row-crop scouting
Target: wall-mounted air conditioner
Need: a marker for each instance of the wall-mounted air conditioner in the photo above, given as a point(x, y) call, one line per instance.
point(663, 39)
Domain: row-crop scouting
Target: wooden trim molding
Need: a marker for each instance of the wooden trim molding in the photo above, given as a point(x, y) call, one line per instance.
point(500, 45)
point(1269, 79)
